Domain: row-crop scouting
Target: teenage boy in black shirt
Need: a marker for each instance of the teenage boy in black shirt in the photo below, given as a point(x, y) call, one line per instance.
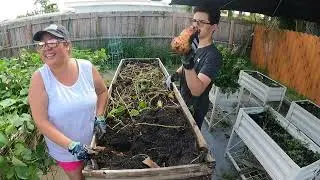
point(201, 65)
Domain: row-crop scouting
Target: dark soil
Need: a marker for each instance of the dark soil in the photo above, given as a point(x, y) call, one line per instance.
point(160, 131)
point(263, 79)
point(164, 145)
point(294, 148)
point(310, 107)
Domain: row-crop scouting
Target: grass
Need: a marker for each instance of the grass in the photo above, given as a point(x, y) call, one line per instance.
point(293, 95)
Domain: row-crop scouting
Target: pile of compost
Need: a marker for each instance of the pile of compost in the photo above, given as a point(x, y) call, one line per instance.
point(145, 121)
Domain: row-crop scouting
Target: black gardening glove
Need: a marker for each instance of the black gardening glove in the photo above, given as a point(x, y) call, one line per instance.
point(100, 126)
point(188, 59)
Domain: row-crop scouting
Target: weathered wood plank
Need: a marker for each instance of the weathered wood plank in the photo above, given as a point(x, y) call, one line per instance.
point(200, 140)
point(175, 172)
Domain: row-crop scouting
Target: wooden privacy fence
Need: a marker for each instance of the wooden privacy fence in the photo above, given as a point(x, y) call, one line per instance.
point(91, 28)
point(290, 57)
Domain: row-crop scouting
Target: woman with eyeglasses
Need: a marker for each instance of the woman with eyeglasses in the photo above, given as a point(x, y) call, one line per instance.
point(67, 97)
point(200, 66)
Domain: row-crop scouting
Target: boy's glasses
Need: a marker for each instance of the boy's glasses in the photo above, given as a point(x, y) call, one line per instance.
point(200, 23)
point(52, 43)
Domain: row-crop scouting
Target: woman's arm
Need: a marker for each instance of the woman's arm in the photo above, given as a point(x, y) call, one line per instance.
point(101, 91)
point(38, 100)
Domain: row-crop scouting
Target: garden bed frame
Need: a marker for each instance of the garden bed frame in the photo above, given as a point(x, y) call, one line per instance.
point(306, 121)
point(259, 89)
point(273, 159)
point(214, 118)
point(174, 172)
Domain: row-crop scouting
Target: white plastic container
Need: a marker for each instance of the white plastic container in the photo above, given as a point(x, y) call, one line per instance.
point(262, 91)
point(274, 160)
point(307, 122)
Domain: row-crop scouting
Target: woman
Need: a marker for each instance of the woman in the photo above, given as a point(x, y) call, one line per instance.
point(67, 98)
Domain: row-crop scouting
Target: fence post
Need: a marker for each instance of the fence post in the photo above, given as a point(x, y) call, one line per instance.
point(174, 24)
point(8, 37)
point(29, 32)
point(93, 24)
point(231, 34)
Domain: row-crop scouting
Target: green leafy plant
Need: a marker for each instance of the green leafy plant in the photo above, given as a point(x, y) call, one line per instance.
point(144, 49)
point(20, 157)
point(229, 73)
point(296, 149)
point(98, 57)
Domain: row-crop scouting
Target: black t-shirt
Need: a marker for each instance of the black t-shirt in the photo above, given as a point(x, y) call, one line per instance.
point(208, 61)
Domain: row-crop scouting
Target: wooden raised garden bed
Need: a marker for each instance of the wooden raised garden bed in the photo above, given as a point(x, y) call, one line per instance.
point(151, 133)
point(284, 150)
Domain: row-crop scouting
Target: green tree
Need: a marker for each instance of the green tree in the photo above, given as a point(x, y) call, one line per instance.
point(46, 6)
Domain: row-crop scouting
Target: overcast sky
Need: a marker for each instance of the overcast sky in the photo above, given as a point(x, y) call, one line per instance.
point(10, 9)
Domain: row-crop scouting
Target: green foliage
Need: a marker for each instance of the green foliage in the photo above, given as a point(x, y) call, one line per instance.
point(23, 152)
point(19, 157)
point(232, 64)
point(134, 112)
point(45, 7)
point(15, 75)
point(296, 149)
point(143, 49)
point(287, 23)
point(253, 18)
point(293, 95)
point(142, 105)
point(98, 57)
point(118, 111)
point(227, 78)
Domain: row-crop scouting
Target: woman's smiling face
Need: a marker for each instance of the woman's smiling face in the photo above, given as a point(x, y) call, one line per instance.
point(52, 50)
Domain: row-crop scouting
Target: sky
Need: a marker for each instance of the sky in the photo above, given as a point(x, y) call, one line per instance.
point(10, 9)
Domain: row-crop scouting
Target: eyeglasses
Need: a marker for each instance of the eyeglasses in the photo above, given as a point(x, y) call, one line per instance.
point(200, 23)
point(52, 43)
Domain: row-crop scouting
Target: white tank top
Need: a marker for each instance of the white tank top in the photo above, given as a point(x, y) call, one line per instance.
point(71, 109)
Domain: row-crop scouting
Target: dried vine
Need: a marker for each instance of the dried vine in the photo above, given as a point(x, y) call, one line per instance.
point(139, 86)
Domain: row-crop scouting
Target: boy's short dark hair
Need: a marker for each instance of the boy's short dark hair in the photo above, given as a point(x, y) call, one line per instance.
point(214, 14)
